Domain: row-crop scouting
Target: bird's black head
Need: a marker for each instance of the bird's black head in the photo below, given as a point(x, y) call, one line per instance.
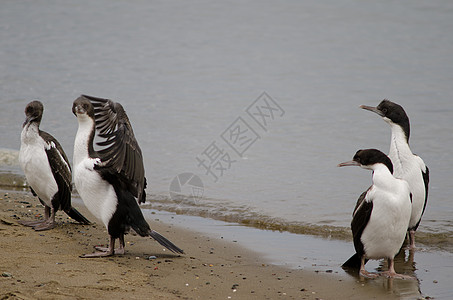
point(392, 113)
point(369, 157)
point(83, 106)
point(33, 112)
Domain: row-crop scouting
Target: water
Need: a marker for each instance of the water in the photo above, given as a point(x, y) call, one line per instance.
point(186, 71)
point(432, 269)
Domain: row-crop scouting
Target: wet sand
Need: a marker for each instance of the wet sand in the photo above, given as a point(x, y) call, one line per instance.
point(46, 265)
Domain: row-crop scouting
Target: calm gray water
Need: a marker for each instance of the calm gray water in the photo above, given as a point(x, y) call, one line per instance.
point(185, 72)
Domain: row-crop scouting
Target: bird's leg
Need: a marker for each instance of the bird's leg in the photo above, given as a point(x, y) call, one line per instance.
point(109, 251)
point(47, 212)
point(410, 258)
point(119, 250)
point(50, 220)
point(37, 222)
point(391, 271)
point(30, 223)
point(364, 272)
point(412, 239)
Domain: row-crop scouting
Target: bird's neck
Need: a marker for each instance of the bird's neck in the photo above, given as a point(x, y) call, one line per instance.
point(400, 152)
point(382, 177)
point(30, 133)
point(83, 144)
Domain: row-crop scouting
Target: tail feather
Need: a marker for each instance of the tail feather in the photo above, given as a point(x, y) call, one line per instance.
point(165, 242)
point(353, 262)
point(76, 215)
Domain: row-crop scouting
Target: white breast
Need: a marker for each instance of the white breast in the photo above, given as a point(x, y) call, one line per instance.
point(412, 173)
point(386, 229)
point(97, 194)
point(33, 161)
point(409, 167)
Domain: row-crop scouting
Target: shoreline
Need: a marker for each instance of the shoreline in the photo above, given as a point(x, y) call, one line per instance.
point(11, 179)
point(37, 265)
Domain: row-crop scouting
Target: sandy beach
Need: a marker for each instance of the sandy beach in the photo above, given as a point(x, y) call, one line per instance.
point(46, 265)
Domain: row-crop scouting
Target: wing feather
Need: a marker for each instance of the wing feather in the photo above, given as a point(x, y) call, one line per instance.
point(121, 153)
point(425, 175)
point(361, 216)
point(61, 171)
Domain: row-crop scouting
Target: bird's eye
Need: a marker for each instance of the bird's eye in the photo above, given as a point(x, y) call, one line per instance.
point(384, 110)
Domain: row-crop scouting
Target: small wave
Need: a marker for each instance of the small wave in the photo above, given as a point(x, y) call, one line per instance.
point(227, 212)
point(10, 175)
point(11, 180)
point(9, 158)
point(244, 215)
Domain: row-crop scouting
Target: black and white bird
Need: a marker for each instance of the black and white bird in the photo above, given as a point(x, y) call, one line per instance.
point(407, 165)
point(47, 170)
point(111, 180)
point(381, 215)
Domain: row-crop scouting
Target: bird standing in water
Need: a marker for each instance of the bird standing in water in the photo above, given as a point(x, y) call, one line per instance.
point(407, 165)
point(381, 216)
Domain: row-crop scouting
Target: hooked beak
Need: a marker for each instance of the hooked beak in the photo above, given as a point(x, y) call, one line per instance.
point(28, 119)
point(373, 109)
point(349, 163)
point(78, 109)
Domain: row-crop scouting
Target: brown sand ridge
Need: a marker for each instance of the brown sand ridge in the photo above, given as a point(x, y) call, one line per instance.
point(46, 265)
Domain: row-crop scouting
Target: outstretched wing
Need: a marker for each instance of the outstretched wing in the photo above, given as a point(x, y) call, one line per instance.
point(121, 153)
